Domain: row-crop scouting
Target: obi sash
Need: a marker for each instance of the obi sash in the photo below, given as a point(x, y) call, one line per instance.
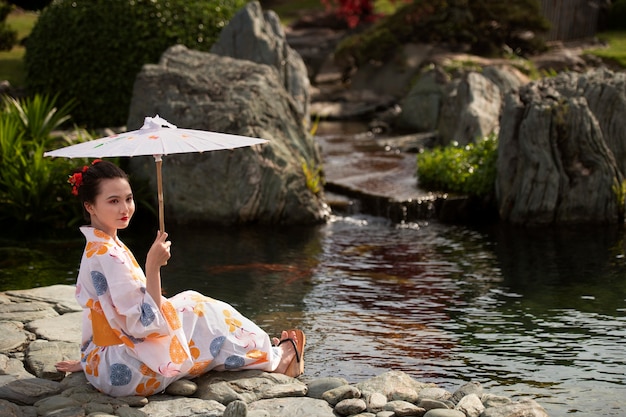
point(103, 334)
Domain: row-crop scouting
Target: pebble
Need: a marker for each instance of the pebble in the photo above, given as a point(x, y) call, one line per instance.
point(39, 328)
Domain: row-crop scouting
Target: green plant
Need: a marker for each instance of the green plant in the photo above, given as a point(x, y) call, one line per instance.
point(92, 50)
point(8, 36)
point(619, 189)
point(34, 195)
point(469, 170)
point(485, 26)
point(615, 51)
point(313, 175)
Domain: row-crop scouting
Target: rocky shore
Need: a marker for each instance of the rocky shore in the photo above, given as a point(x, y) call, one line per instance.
point(41, 326)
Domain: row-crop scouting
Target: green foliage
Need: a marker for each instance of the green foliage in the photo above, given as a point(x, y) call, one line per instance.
point(469, 170)
point(619, 190)
point(92, 50)
point(34, 193)
point(485, 26)
point(313, 175)
point(8, 36)
point(615, 52)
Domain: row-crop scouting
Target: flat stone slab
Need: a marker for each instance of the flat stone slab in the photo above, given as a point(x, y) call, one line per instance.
point(61, 296)
point(65, 328)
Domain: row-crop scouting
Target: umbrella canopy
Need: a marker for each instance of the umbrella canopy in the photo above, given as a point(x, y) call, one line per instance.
point(157, 137)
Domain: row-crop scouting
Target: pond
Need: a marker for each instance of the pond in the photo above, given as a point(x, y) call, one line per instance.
point(527, 313)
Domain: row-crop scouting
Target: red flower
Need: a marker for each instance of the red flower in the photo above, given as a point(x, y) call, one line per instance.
point(76, 180)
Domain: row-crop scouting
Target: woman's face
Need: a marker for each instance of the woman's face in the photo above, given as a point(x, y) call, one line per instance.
point(113, 207)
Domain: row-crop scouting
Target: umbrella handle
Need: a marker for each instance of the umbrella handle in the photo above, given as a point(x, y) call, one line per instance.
point(159, 162)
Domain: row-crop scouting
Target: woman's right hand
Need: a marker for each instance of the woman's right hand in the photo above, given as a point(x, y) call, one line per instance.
point(159, 252)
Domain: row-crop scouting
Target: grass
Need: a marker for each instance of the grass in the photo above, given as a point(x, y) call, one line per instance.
point(615, 52)
point(11, 62)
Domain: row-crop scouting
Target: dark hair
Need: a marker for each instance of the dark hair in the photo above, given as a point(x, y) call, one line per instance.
point(92, 175)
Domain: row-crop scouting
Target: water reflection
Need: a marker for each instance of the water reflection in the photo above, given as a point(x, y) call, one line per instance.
point(538, 313)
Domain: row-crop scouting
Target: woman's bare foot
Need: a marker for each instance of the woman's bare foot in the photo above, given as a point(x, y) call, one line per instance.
point(68, 366)
point(291, 362)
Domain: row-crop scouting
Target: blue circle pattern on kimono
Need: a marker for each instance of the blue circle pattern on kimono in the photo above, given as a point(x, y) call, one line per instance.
point(120, 374)
point(147, 315)
point(216, 345)
point(234, 362)
point(99, 282)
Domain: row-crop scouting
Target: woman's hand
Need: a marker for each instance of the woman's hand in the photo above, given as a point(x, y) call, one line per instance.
point(159, 252)
point(158, 255)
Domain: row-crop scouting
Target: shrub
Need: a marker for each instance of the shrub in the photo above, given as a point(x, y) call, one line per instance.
point(8, 36)
point(92, 50)
point(34, 194)
point(469, 170)
point(486, 27)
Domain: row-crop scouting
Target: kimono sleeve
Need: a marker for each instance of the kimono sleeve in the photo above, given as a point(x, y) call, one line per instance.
point(121, 290)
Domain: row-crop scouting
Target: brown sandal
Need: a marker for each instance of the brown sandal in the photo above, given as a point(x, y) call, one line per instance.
point(296, 366)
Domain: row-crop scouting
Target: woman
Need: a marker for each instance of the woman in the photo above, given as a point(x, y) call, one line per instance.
point(134, 340)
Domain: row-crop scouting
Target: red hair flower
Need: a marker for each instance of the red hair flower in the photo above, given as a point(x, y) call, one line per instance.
point(76, 179)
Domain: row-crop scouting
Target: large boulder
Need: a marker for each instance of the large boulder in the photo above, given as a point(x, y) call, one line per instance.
point(555, 162)
point(264, 184)
point(258, 36)
point(471, 109)
point(460, 107)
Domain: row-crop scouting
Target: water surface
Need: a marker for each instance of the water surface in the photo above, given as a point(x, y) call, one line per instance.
point(526, 313)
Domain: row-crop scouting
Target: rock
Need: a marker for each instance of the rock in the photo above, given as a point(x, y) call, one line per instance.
point(182, 387)
point(289, 407)
point(236, 409)
point(164, 406)
point(26, 391)
point(9, 409)
point(439, 412)
point(14, 338)
point(473, 387)
point(421, 106)
point(319, 386)
point(258, 36)
point(470, 405)
point(376, 402)
point(435, 393)
point(41, 356)
point(394, 385)
point(13, 366)
point(264, 184)
point(26, 311)
point(404, 408)
point(554, 163)
point(350, 406)
point(393, 76)
point(430, 404)
point(221, 391)
point(491, 400)
point(471, 109)
point(284, 390)
point(48, 405)
point(525, 407)
point(343, 392)
point(66, 328)
point(507, 78)
point(60, 296)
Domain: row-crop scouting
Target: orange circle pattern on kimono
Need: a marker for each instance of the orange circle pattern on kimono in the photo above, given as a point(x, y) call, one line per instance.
point(177, 352)
point(169, 312)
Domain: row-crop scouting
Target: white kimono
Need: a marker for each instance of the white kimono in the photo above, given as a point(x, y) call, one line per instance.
point(130, 347)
